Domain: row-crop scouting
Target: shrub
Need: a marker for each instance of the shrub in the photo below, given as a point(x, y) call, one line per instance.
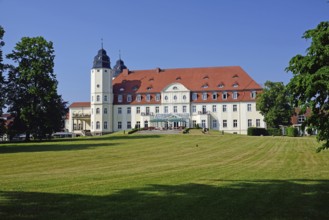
point(274, 131)
point(257, 131)
point(292, 132)
point(186, 130)
point(309, 130)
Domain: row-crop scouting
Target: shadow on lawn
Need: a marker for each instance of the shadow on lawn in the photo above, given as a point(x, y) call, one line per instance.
point(66, 144)
point(269, 199)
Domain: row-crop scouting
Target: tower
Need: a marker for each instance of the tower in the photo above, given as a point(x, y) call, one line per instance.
point(101, 94)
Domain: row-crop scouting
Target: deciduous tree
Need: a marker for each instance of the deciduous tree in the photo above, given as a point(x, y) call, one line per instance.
point(273, 104)
point(309, 86)
point(2, 87)
point(32, 88)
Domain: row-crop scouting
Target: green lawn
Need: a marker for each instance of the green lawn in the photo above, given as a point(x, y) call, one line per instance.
point(192, 176)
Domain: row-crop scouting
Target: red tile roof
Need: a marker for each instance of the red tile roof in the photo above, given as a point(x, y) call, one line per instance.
point(79, 104)
point(195, 79)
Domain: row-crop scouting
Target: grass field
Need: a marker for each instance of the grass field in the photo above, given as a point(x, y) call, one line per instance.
point(191, 176)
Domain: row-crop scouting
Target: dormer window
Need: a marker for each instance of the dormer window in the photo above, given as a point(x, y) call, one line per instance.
point(149, 88)
point(194, 96)
point(129, 98)
point(224, 95)
point(205, 77)
point(221, 85)
point(205, 85)
point(152, 79)
point(122, 89)
point(253, 94)
point(214, 95)
point(119, 98)
point(235, 76)
point(235, 95)
point(138, 98)
point(135, 88)
point(204, 96)
point(178, 78)
point(235, 85)
point(157, 97)
point(148, 97)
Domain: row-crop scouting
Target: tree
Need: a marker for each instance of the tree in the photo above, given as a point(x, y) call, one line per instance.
point(309, 86)
point(32, 88)
point(273, 104)
point(2, 87)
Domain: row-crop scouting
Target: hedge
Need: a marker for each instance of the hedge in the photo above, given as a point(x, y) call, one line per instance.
point(133, 131)
point(257, 131)
point(292, 132)
point(274, 131)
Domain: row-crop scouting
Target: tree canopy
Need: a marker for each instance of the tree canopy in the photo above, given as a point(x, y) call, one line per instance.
point(2, 87)
point(32, 86)
point(273, 104)
point(309, 86)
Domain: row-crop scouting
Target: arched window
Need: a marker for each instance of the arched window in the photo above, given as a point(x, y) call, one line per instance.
point(97, 98)
point(97, 110)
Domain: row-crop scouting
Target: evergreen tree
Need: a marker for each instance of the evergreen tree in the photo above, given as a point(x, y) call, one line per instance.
point(2, 87)
point(32, 88)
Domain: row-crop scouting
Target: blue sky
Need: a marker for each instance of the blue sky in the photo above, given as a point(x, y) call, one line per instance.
point(259, 35)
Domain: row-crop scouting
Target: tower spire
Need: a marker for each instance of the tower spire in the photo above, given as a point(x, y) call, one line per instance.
point(102, 42)
point(119, 54)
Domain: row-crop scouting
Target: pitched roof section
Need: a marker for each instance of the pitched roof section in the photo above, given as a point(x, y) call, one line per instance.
point(79, 104)
point(194, 79)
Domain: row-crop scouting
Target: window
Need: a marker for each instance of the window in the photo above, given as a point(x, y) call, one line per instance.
point(235, 123)
point(253, 94)
point(221, 85)
point(214, 95)
point(175, 109)
point(224, 123)
point(129, 98)
point(204, 96)
point(98, 125)
point(157, 109)
point(175, 88)
point(203, 123)
point(194, 123)
point(249, 107)
point(214, 123)
point(175, 97)
point(235, 95)
point(119, 110)
point(166, 109)
point(249, 123)
point(97, 84)
point(205, 85)
point(166, 97)
point(301, 119)
point(184, 108)
point(224, 108)
point(235, 85)
point(105, 110)
point(214, 108)
point(235, 108)
point(147, 110)
point(204, 109)
point(148, 97)
point(194, 96)
point(224, 95)
point(157, 97)
point(97, 110)
point(138, 98)
point(193, 108)
point(129, 110)
point(97, 98)
point(184, 97)
point(119, 98)
point(105, 98)
point(119, 125)
point(105, 124)
point(146, 124)
point(138, 110)
point(138, 124)
point(257, 122)
point(128, 124)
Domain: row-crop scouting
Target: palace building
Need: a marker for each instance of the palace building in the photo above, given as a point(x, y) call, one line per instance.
point(220, 98)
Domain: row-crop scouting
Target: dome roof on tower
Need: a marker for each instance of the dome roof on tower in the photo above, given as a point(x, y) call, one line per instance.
point(118, 68)
point(101, 60)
